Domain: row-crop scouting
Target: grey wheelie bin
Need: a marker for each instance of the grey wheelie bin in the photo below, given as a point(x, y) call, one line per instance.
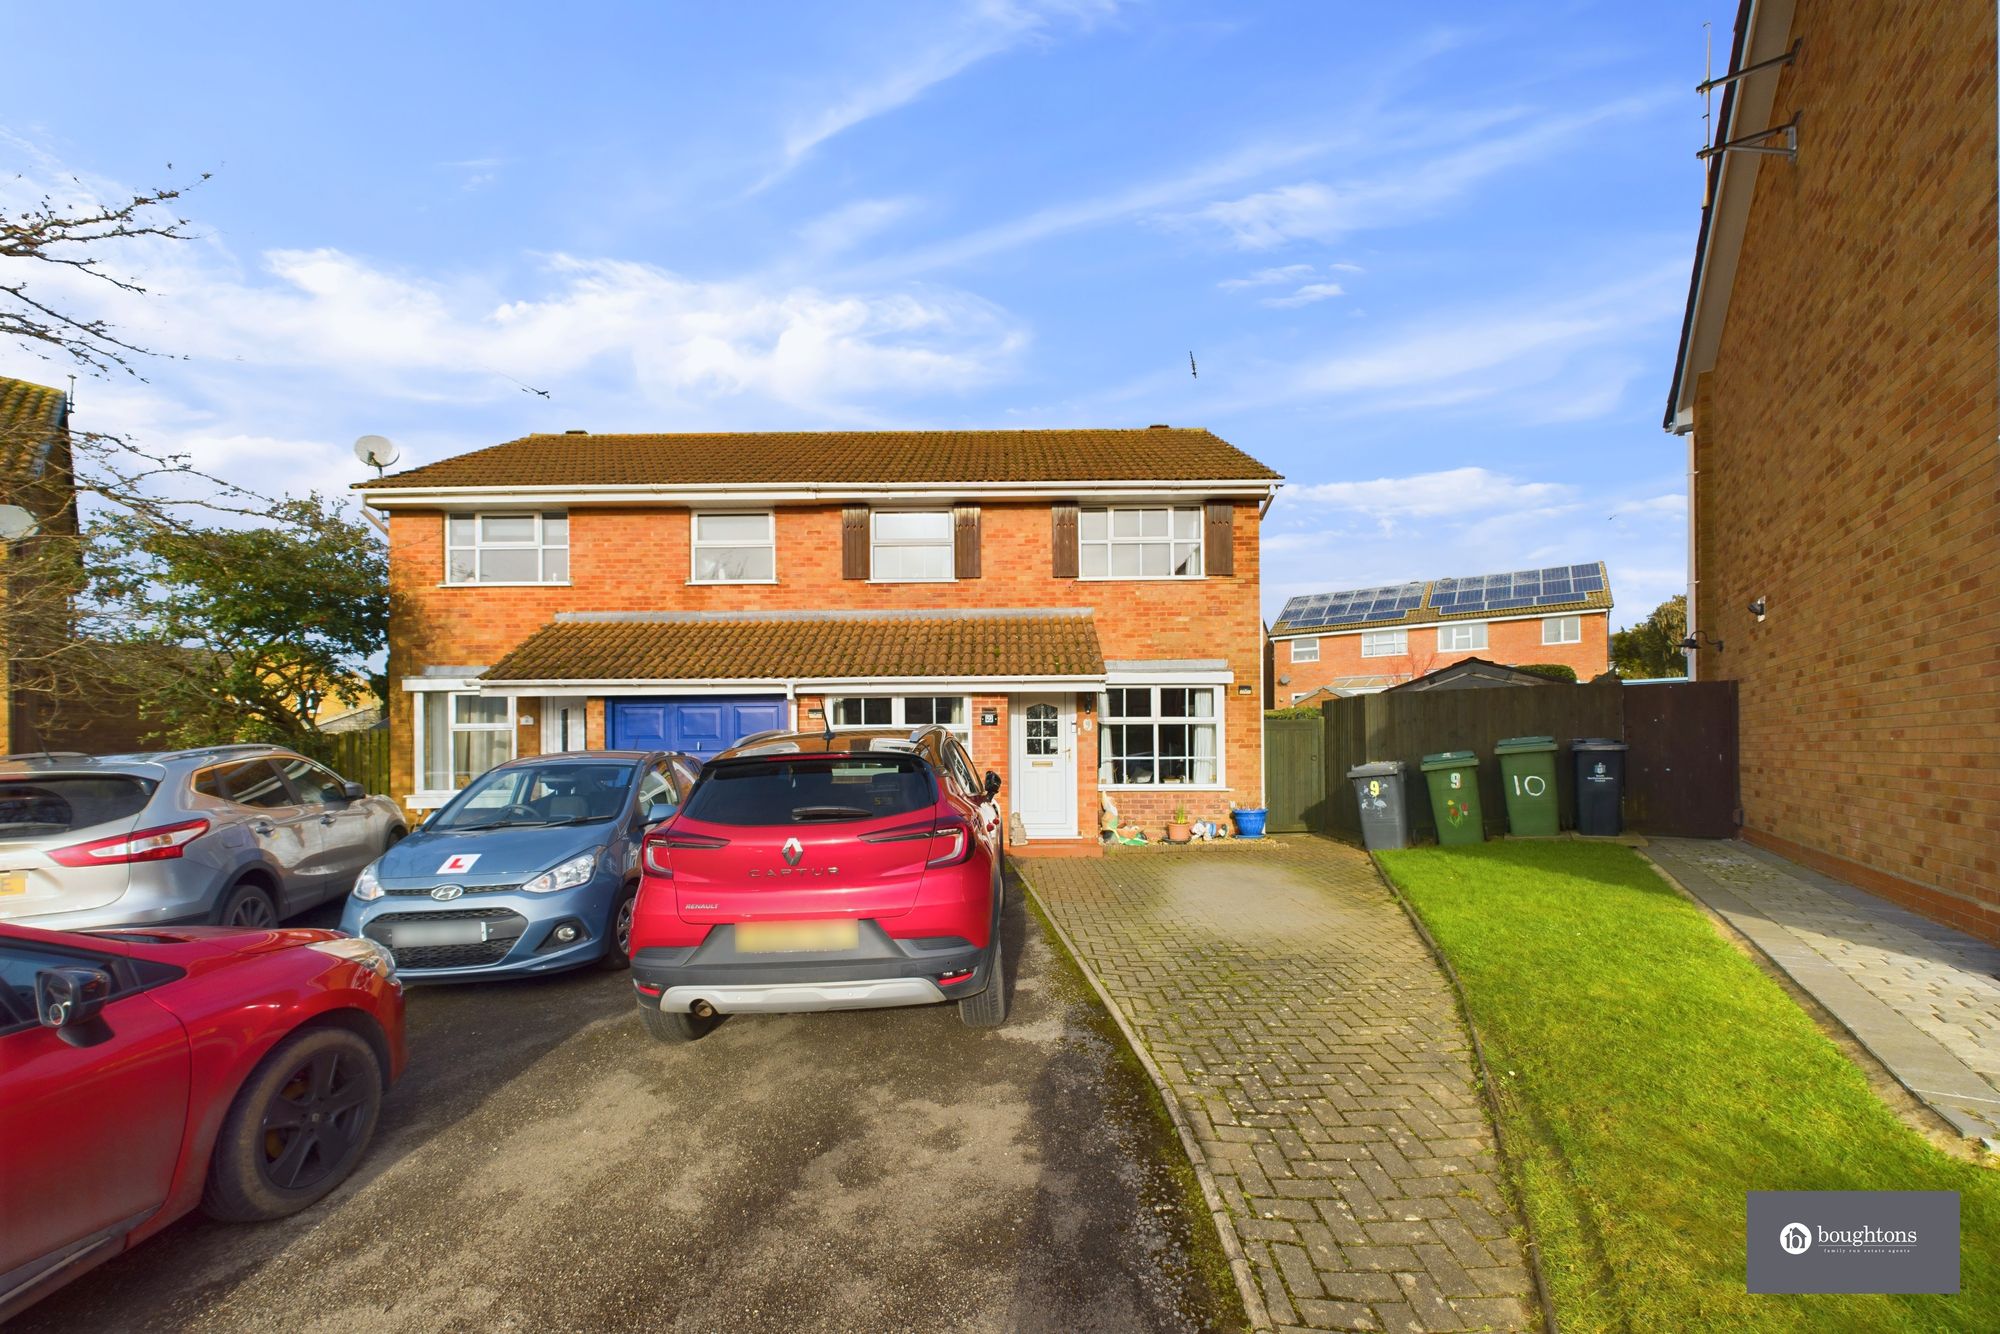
point(1600, 785)
point(1385, 820)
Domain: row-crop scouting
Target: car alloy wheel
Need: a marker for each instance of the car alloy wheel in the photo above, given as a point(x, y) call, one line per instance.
point(252, 910)
point(621, 928)
point(311, 1124)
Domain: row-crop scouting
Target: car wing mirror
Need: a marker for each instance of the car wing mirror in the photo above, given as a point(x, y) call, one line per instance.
point(353, 791)
point(992, 785)
point(71, 1001)
point(660, 810)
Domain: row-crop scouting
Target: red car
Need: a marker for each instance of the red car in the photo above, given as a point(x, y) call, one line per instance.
point(144, 1072)
point(823, 871)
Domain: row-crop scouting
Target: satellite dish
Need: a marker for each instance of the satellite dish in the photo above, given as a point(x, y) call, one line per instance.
point(377, 451)
point(16, 523)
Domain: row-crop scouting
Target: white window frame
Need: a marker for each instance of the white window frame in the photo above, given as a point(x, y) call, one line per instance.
point(1217, 720)
point(1372, 643)
point(695, 544)
point(1473, 632)
point(1305, 650)
point(897, 715)
point(876, 542)
point(425, 702)
point(1568, 629)
point(540, 545)
point(1110, 543)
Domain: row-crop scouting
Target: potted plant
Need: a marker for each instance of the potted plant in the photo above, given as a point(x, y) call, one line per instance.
point(1179, 830)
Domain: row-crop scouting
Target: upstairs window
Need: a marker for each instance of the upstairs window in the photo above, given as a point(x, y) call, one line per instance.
point(1305, 650)
point(911, 546)
point(735, 549)
point(1462, 638)
point(527, 548)
point(1385, 643)
point(1562, 629)
point(1133, 543)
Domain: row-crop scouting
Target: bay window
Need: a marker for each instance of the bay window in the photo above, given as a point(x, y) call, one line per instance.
point(460, 736)
point(1160, 736)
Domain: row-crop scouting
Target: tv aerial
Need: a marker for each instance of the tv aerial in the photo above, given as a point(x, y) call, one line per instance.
point(16, 524)
point(377, 451)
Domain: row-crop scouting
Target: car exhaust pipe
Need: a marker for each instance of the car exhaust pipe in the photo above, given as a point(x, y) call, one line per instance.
point(703, 1010)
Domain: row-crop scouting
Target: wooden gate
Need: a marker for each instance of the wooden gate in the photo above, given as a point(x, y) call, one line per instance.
point(1295, 773)
point(1680, 773)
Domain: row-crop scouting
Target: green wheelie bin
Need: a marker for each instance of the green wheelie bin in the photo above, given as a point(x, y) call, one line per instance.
point(1528, 777)
point(1453, 777)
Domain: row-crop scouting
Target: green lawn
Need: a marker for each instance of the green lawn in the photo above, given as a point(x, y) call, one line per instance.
point(1648, 1075)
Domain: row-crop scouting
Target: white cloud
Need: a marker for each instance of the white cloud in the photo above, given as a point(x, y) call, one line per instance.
point(1316, 211)
point(1459, 491)
point(847, 226)
point(1267, 277)
point(980, 32)
point(1305, 295)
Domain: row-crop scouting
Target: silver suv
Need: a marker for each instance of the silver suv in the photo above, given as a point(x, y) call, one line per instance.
point(230, 835)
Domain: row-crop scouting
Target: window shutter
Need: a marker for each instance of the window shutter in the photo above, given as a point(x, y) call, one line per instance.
point(1218, 554)
point(965, 541)
point(1064, 565)
point(854, 542)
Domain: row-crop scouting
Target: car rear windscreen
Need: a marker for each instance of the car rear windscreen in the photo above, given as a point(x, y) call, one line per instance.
point(59, 803)
point(811, 789)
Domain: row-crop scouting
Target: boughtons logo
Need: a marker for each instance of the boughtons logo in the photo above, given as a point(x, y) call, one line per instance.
point(1796, 1238)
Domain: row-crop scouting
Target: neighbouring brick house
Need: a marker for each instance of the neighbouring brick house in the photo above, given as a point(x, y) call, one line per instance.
point(35, 474)
point(1080, 606)
point(1838, 384)
point(1367, 639)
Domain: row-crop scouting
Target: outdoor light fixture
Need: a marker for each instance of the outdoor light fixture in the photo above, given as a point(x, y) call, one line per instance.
point(1694, 641)
point(1757, 610)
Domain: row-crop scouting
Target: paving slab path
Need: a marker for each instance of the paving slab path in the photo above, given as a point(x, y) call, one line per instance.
point(1317, 1057)
point(1920, 996)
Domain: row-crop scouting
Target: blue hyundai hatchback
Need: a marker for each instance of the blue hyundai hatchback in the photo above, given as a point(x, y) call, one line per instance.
point(531, 869)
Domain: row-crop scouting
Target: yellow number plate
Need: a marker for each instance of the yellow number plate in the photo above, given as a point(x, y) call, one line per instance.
point(796, 937)
point(13, 882)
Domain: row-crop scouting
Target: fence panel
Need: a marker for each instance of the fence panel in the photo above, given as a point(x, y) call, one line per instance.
point(1295, 773)
point(359, 757)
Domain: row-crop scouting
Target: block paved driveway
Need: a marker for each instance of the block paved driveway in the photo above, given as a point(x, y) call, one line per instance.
point(545, 1166)
point(1315, 1048)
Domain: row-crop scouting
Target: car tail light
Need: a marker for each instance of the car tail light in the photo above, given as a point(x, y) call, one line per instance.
point(657, 860)
point(951, 843)
point(655, 857)
point(693, 841)
point(146, 845)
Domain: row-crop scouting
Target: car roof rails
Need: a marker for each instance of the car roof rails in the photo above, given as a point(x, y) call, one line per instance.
point(48, 755)
point(764, 735)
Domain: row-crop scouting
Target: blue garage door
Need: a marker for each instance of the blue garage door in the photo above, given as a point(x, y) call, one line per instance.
point(699, 725)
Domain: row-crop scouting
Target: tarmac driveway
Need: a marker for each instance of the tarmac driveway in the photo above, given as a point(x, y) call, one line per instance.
point(546, 1166)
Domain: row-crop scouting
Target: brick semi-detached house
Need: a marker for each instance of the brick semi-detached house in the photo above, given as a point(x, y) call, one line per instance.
point(1368, 639)
point(1080, 606)
point(1838, 386)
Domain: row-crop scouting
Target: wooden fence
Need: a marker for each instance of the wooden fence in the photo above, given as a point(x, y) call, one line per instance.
point(359, 757)
point(1680, 775)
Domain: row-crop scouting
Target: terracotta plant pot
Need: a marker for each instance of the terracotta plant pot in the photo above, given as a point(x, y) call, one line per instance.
point(1179, 833)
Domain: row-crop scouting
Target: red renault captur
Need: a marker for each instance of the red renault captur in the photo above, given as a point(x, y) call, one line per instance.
point(150, 1070)
point(823, 871)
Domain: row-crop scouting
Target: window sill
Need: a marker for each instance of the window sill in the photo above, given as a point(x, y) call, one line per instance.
point(517, 583)
point(1164, 787)
point(427, 801)
point(952, 580)
point(730, 583)
point(1142, 578)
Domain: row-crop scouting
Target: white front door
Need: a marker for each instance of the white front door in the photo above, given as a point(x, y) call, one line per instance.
point(1045, 765)
point(562, 725)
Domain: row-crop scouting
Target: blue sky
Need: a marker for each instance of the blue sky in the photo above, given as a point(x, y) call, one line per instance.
point(1430, 258)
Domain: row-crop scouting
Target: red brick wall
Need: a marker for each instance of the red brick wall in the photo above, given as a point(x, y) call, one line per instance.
point(1845, 447)
point(638, 560)
point(1507, 642)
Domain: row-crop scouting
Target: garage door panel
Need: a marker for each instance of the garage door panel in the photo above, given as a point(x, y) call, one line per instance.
point(697, 725)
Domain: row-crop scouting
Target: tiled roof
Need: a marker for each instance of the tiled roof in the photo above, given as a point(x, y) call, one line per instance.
point(834, 457)
point(672, 646)
point(30, 416)
point(1425, 613)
